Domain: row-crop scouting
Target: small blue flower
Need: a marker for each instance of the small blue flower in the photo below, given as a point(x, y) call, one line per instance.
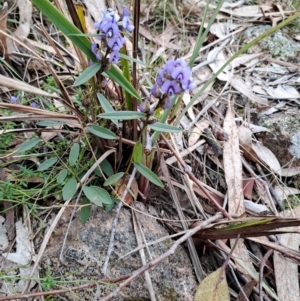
point(14, 99)
point(174, 77)
point(114, 57)
point(171, 87)
point(95, 49)
point(33, 104)
point(126, 21)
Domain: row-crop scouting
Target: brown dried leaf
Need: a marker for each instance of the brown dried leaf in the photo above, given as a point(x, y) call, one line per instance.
point(247, 289)
point(266, 155)
point(233, 165)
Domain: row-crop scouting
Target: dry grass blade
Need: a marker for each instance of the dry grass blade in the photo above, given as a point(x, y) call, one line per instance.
point(19, 85)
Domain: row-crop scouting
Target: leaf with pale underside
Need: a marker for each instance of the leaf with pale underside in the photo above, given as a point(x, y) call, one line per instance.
point(213, 288)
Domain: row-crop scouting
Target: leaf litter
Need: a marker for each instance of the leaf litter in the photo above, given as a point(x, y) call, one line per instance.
point(257, 84)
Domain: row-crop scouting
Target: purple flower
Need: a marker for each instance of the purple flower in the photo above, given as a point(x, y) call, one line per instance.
point(126, 21)
point(116, 42)
point(114, 57)
point(14, 99)
point(33, 104)
point(174, 77)
point(109, 18)
point(95, 49)
point(171, 87)
point(155, 91)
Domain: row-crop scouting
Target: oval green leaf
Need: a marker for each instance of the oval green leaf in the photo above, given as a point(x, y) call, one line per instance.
point(74, 154)
point(123, 115)
point(69, 189)
point(138, 152)
point(162, 127)
point(101, 132)
point(113, 179)
point(87, 74)
point(47, 164)
point(97, 195)
point(85, 210)
point(61, 176)
point(148, 174)
point(29, 144)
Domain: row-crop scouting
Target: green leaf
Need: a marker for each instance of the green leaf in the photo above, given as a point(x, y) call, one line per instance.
point(87, 74)
point(149, 174)
point(69, 189)
point(110, 206)
point(61, 176)
point(85, 210)
point(123, 115)
point(118, 77)
point(131, 59)
point(105, 104)
point(47, 164)
point(213, 287)
point(113, 179)
point(49, 123)
point(65, 26)
point(97, 195)
point(29, 144)
point(162, 127)
point(106, 168)
point(107, 107)
point(138, 152)
point(101, 132)
point(74, 154)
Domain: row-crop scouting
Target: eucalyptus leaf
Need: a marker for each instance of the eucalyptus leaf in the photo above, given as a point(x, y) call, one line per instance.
point(47, 164)
point(29, 144)
point(113, 179)
point(87, 74)
point(101, 132)
point(97, 195)
point(162, 127)
point(69, 189)
point(122, 115)
point(148, 174)
point(74, 154)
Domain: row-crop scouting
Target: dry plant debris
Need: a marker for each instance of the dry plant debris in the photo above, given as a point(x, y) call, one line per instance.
point(231, 176)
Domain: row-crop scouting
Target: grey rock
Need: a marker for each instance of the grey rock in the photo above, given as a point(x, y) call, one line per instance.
point(85, 252)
